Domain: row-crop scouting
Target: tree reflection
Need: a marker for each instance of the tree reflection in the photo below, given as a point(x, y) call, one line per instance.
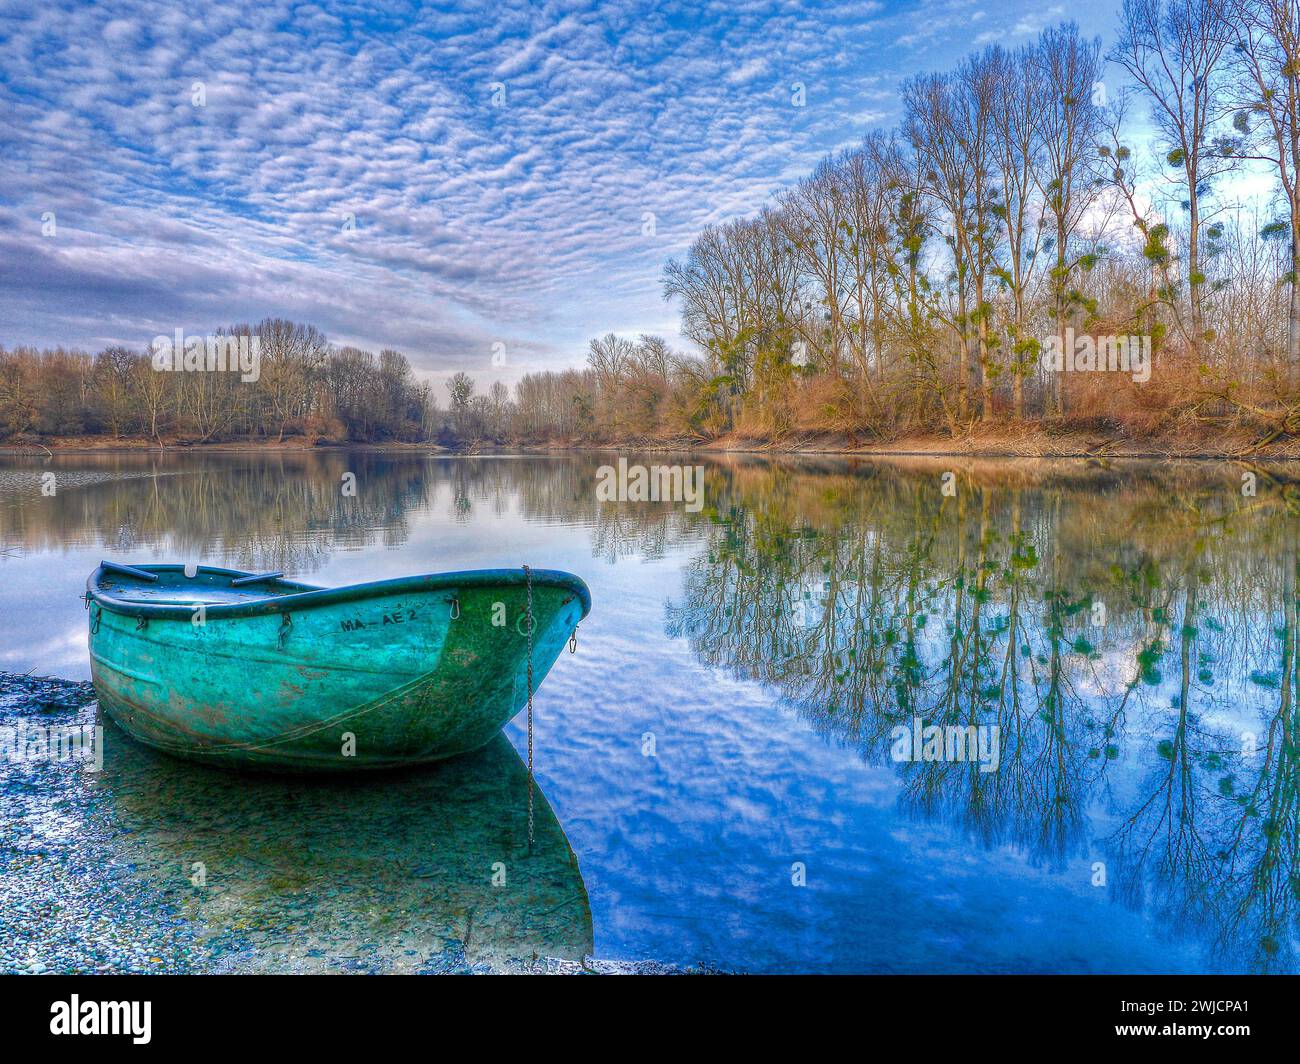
point(1126, 631)
point(286, 511)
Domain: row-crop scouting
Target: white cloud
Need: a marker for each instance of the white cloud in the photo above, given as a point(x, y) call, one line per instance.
point(473, 223)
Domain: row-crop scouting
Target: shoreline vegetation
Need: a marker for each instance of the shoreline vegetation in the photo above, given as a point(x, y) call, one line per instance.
point(1030, 264)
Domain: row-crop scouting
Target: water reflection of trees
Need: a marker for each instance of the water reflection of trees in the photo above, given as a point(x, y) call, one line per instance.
point(288, 510)
point(867, 598)
point(283, 511)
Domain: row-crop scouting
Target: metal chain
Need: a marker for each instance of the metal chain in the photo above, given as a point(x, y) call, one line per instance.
point(528, 579)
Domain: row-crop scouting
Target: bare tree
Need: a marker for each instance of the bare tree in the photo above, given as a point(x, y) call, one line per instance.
point(813, 219)
point(1174, 50)
point(1267, 55)
point(1066, 70)
point(152, 386)
point(1017, 157)
point(292, 356)
point(933, 124)
point(460, 389)
point(114, 380)
point(866, 173)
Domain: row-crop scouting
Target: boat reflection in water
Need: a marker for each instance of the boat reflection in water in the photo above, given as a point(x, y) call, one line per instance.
point(427, 870)
point(1134, 654)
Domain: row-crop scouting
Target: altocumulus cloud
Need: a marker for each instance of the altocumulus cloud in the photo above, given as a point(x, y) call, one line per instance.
point(434, 180)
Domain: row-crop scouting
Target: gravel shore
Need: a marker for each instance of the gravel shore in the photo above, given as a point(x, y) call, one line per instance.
point(69, 903)
point(144, 864)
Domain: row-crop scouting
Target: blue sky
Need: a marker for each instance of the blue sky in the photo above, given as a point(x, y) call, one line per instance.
point(438, 181)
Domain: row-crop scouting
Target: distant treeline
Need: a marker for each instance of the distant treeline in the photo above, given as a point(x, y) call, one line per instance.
point(914, 284)
point(303, 387)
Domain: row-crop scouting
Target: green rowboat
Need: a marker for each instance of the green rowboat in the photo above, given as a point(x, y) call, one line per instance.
point(252, 670)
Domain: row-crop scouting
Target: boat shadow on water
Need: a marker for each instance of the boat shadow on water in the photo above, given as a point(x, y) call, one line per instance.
point(417, 870)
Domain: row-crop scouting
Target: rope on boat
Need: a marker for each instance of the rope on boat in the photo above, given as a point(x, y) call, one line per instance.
point(528, 580)
point(573, 648)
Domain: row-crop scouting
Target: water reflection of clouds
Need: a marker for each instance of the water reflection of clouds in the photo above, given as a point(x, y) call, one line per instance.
point(1108, 674)
point(62, 654)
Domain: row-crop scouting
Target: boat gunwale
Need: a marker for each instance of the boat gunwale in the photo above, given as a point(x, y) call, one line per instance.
point(311, 596)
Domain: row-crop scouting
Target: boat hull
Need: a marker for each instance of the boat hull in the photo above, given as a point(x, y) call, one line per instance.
point(388, 674)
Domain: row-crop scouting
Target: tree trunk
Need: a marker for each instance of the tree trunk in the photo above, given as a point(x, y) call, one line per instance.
point(1194, 266)
point(1293, 325)
point(986, 387)
point(1056, 390)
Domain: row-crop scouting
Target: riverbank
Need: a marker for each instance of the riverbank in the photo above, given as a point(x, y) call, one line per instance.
point(1206, 441)
point(987, 443)
point(1051, 445)
point(108, 444)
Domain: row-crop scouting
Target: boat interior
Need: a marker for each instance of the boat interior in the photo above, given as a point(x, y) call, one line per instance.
point(191, 586)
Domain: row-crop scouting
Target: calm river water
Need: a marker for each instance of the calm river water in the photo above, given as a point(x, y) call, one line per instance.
point(723, 752)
